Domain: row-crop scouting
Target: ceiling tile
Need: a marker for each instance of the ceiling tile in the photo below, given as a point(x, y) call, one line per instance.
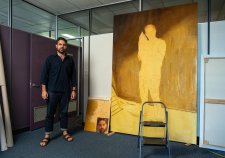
point(85, 4)
point(55, 6)
point(110, 1)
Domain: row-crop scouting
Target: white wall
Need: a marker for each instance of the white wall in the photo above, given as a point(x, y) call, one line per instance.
point(100, 67)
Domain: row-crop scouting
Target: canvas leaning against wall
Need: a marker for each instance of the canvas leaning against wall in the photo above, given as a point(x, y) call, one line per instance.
point(154, 59)
point(97, 116)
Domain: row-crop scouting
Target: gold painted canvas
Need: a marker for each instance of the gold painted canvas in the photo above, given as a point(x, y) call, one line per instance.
point(97, 116)
point(154, 59)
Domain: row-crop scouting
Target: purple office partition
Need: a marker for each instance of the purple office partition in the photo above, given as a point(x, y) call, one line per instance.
point(20, 95)
point(17, 74)
point(41, 48)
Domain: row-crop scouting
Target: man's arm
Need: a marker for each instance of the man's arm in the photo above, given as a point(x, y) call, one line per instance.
point(74, 82)
point(44, 80)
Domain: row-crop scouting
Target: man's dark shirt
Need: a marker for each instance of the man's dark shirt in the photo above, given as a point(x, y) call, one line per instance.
point(58, 75)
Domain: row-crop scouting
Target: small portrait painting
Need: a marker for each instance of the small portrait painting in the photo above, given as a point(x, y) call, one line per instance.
point(102, 125)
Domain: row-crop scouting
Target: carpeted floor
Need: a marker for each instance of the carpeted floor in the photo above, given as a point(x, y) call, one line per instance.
point(94, 145)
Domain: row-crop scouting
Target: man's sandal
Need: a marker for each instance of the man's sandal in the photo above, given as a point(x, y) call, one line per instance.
point(68, 138)
point(44, 142)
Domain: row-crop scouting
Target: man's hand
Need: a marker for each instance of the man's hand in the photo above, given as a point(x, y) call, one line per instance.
point(73, 95)
point(44, 95)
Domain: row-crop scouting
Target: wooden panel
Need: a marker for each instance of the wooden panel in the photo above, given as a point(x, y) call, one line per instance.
point(212, 103)
point(215, 101)
point(214, 125)
point(215, 78)
point(97, 110)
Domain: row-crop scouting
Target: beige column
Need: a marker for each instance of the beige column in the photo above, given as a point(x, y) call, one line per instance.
point(2, 132)
point(8, 128)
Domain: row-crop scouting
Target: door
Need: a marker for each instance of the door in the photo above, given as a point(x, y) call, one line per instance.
point(41, 48)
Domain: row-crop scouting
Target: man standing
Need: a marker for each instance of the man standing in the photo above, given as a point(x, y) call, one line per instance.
point(58, 81)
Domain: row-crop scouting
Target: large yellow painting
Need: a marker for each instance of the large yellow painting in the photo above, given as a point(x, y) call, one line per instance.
point(154, 59)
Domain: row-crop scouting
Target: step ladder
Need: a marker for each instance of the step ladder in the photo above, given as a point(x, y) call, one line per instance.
point(164, 141)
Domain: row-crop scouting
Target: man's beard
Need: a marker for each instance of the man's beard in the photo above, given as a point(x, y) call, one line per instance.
point(61, 51)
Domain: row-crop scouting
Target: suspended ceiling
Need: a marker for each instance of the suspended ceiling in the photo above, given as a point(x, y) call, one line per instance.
point(34, 19)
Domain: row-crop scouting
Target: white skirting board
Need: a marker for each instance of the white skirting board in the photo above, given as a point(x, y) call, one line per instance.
point(8, 128)
point(2, 133)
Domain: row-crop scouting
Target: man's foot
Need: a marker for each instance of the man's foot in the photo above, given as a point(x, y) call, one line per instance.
point(44, 142)
point(67, 137)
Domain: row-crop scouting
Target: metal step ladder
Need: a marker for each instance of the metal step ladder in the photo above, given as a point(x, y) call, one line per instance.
point(164, 141)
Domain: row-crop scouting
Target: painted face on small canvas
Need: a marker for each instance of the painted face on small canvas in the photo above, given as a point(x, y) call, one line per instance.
point(102, 126)
point(61, 46)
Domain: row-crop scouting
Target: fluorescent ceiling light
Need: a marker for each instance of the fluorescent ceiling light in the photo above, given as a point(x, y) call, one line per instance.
point(67, 35)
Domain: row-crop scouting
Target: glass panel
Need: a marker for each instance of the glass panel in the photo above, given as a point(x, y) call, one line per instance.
point(217, 25)
point(217, 10)
point(80, 19)
point(69, 31)
point(154, 4)
point(102, 18)
point(49, 34)
point(83, 32)
point(32, 19)
point(202, 11)
point(4, 5)
point(76, 42)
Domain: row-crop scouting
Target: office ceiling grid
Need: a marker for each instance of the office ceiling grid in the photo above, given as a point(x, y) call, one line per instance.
point(102, 16)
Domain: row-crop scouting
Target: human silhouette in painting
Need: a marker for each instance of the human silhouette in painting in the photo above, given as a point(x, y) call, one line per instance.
point(151, 52)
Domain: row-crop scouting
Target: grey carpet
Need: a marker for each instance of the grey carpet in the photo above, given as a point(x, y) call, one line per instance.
point(94, 145)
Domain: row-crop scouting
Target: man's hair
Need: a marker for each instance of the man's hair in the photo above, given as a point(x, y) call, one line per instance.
point(61, 38)
point(102, 119)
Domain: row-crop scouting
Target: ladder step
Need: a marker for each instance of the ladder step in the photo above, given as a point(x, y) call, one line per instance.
point(154, 124)
point(154, 141)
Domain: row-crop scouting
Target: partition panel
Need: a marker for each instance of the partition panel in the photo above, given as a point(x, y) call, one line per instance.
point(20, 79)
point(40, 49)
